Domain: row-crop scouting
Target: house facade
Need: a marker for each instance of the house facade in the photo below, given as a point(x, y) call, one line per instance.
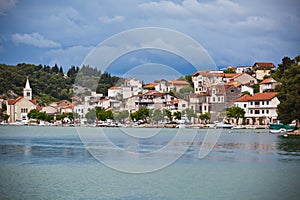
point(263, 69)
point(259, 108)
point(268, 85)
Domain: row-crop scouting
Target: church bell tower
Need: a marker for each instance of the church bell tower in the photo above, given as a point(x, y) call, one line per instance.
point(27, 92)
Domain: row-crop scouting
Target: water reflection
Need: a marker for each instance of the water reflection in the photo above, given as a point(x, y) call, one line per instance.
point(290, 145)
point(233, 147)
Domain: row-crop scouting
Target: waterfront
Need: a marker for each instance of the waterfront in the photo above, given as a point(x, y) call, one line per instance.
point(52, 163)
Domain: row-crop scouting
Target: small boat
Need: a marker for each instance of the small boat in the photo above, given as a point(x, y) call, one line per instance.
point(238, 127)
point(223, 125)
point(280, 128)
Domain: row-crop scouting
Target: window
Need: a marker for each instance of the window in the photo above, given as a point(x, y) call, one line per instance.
point(28, 94)
point(267, 111)
point(24, 110)
point(262, 103)
point(204, 107)
point(245, 105)
point(257, 103)
point(251, 103)
point(267, 103)
point(213, 100)
point(231, 90)
point(256, 112)
point(263, 112)
point(218, 99)
point(183, 105)
point(251, 111)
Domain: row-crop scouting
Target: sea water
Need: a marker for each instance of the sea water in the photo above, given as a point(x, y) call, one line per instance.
point(53, 163)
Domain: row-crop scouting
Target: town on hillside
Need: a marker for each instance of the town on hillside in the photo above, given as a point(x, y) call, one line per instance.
point(208, 96)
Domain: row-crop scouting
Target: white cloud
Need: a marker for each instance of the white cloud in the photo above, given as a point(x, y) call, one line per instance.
point(34, 39)
point(5, 5)
point(114, 19)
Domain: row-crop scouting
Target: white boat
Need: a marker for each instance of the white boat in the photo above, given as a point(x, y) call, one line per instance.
point(280, 128)
point(238, 127)
point(223, 125)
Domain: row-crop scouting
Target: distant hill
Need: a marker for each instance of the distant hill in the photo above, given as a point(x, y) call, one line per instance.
point(49, 83)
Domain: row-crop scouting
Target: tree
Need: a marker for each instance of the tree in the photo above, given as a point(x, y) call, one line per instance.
point(255, 87)
point(168, 114)
point(186, 90)
point(141, 114)
point(91, 116)
point(229, 71)
point(101, 114)
point(157, 115)
point(289, 94)
point(204, 117)
point(246, 92)
point(177, 115)
point(235, 112)
point(121, 116)
point(189, 113)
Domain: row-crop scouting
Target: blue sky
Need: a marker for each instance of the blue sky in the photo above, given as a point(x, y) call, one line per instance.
point(234, 32)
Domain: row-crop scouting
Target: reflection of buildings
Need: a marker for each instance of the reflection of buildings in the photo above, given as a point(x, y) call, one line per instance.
point(18, 108)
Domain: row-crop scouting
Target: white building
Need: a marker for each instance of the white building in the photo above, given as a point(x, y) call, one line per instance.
point(259, 106)
point(268, 84)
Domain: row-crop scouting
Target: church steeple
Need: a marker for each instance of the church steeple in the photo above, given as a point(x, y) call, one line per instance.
point(27, 92)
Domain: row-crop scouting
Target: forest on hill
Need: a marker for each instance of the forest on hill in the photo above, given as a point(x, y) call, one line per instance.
point(50, 83)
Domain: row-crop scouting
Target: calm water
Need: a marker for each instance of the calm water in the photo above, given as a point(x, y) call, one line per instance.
point(52, 163)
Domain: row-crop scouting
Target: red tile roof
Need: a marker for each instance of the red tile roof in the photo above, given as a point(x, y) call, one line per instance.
point(264, 65)
point(244, 98)
point(113, 88)
point(179, 82)
point(257, 97)
point(150, 85)
point(230, 75)
point(268, 80)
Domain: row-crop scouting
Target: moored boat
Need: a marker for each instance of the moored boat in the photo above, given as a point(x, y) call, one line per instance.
point(280, 128)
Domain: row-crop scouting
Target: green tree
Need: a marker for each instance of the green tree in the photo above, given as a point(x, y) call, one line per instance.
point(255, 88)
point(121, 116)
point(204, 117)
point(141, 114)
point(157, 115)
point(235, 112)
point(289, 94)
point(177, 115)
point(186, 90)
point(189, 113)
point(101, 114)
point(229, 71)
point(91, 116)
point(168, 114)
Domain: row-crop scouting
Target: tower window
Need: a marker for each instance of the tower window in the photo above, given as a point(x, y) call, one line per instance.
point(28, 94)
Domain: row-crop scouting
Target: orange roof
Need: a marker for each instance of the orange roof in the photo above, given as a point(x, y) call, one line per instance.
point(230, 75)
point(268, 80)
point(68, 106)
point(244, 98)
point(114, 88)
point(258, 97)
point(38, 107)
point(150, 85)
point(233, 83)
point(33, 101)
point(263, 96)
point(264, 64)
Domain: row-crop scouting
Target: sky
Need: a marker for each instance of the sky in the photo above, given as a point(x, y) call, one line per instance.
point(233, 32)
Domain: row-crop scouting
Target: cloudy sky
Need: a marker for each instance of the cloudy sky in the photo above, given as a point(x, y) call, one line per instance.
point(234, 32)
